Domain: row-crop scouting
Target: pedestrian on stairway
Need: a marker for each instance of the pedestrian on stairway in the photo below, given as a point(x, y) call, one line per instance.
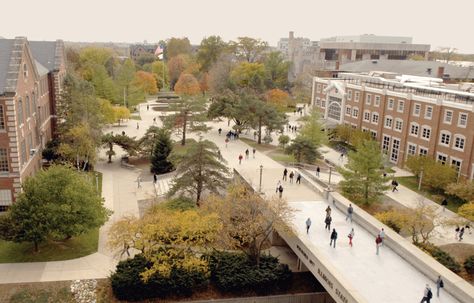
point(285, 173)
point(318, 170)
point(298, 178)
point(247, 153)
point(308, 225)
point(292, 174)
point(253, 152)
point(155, 178)
point(468, 227)
point(240, 158)
point(378, 242)
point(328, 223)
point(280, 190)
point(351, 236)
point(333, 237)
point(328, 211)
point(350, 210)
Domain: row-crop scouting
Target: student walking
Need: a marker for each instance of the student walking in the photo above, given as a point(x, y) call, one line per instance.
point(247, 153)
point(292, 174)
point(382, 236)
point(308, 225)
point(220, 131)
point(155, 178)
point(468, 228)
point(351, 236)
point(350, 210)
point(138, 126)
point(394, 185)
point(278, 186)
point(280, 190)
point(226, 141)
point(138, 182)
point(444, 203)
point(461, 233)
point(154, 120)
point(378, 242)
point(427, 295)
point(253, 152)
point(333, 238)
point(328, 211)
point(285, 173)
point(457, 232)
point(240, 158)
point(318, 170)
point(328, 223)
point(298, 179)
point(439, 284)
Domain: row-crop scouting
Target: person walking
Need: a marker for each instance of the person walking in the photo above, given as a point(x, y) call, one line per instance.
point(427, 295)
point(308, 225)
point(461, 233)
point(468, 227)
point(278, 186)
point(138, 182)
point(444, 203)
point(318, 170)
point(350, 210)
point(333, 237)
point(457, 232)
point(226, 141)
point(147, 107)
point(285, 173)
point(378, 242)
point(382, 236)
point(253, 152)
point(247, 153)
point(155, 178)
point(328, 223)
point(394, 185)
point(439, 284)
point(240, 158)
point(220, 131)
point(280, 190)
point(292, 174)
point(341, 157)
point(351, 236)
point(298, 179)
point(138, 126)
point(154, 120)
point(328, 211)
point(255, 135)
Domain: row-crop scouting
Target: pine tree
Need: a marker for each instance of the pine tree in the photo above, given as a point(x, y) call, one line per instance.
point(161, 151)
point(363, 178)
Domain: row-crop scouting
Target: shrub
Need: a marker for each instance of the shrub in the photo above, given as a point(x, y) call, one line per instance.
point(180, 203)
point(233, 272)
point(441, 256)
point(127, 283)
point(469, 265)
point(393, 219)
point(283, 140)
point(267, 139)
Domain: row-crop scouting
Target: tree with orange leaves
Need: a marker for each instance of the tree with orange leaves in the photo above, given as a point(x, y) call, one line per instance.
point(146, 81)
point(278, 98)
point(187, 85)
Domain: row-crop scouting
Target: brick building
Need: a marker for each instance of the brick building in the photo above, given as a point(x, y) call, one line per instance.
point(408, 115)
point(31, 74)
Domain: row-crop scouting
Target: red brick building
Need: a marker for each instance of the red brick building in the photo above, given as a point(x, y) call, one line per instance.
point(31, 74)
point(408, 115)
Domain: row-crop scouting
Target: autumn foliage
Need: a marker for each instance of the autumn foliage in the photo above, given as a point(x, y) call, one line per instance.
point(146, 81)
point(187, 85)
point(277, 97)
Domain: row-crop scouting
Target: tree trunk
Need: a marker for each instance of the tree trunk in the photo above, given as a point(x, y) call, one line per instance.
point(183, 141)
point(259, 130)
point(36, 246)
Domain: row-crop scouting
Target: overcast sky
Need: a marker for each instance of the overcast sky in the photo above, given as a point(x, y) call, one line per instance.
point(435, 22)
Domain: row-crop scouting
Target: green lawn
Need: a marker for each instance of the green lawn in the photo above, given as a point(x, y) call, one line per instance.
point(412, 183)
point(275, 152)
point(80, 246)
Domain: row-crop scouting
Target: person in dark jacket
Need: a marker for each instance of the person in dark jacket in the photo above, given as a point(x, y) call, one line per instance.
point(333, 238)
point(328, 222)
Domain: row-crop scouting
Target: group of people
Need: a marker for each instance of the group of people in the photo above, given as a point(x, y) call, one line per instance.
point(428, 294)
point(247, 155)
point(292, 128)
point(460, 232)
point(292, 176)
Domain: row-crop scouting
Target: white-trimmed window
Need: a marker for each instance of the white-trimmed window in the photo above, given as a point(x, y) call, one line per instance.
point(445, 138)
point(459, 142)
point(355, 112)
point(428, 112)
point(5, 198)
point(398, 124)
point(368, 99)
point(375, 118)
point(356, 96)
point(318, 88)
point(417, 110)
point(323, 103)
point(318, 102)
point(395, 150)
point(373, 134)
point(414, 129)
point(4, 160)
point(462, 120)
point(423, 151)
point(401, 106)
point(388, 122)
point(2, 118)
point(442, 158)
point(426, 132)
point(391, 103)
point(349, 94)
point(456, 163)
point(411, 149)
point(367, 116)
point(448, 116)
point(385, 144)
point(377, 101)
point(348, 110)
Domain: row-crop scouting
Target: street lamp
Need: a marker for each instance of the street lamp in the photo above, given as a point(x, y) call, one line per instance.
point(260, 186)
point(97, 181)
point(421, 178)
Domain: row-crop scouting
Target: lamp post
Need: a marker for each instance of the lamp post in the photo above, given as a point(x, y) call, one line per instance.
point(97, 181)
point(260, 186)
point(330, 172)
point(421, 178)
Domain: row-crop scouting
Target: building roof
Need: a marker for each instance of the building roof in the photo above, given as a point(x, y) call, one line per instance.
point(5, 51)
point(41, 69)
point(410, 67)
point(44, 52)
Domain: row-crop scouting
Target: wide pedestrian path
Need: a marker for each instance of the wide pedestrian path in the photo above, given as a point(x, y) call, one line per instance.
point(386, 277)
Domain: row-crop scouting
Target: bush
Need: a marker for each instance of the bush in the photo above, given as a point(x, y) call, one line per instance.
point(233, 272)
point(283, 140)
point(127, 283)
point(393, 219)
point(441, 256)
point(180, 203)
point(469, 265)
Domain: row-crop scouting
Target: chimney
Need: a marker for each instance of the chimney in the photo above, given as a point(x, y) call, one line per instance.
point(292, 35)
point(440, 72)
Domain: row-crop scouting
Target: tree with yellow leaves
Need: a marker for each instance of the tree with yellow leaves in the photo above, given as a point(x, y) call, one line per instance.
point(278, 98)
point(146, 82)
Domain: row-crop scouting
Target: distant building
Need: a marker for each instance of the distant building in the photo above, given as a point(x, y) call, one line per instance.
point(407, 115)
point(137, 50)
point(31, 75)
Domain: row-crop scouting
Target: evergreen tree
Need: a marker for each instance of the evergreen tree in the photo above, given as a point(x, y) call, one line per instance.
point(303, 149)
point(363, 179)
point(161, 151)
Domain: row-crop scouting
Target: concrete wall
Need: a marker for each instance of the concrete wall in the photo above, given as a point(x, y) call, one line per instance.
point(293, 298)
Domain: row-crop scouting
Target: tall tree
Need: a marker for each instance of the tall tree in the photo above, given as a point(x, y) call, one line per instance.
point(162, 76)
point(313, 130)
point(125, 76)
point(126, 143)
point(249, 49)
point(178, 65)
point(249, 75)
point(363, 177)
point(267, 115)
point(146, 143)
point(177, 46)
point(303, 149)
point(276, 69)
point(79, 146)
point(162, 149)
point(187, 86)
point(198, 168)
point(209, 51)
point(278, 98)
point(146, 82)
point(220, 74)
